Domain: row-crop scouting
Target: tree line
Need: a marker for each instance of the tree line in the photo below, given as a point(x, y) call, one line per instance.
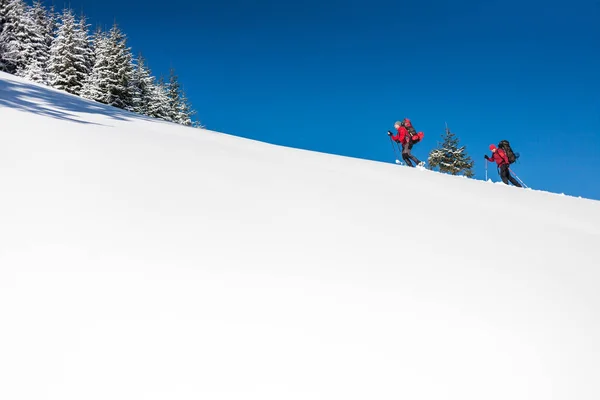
point(58, 50)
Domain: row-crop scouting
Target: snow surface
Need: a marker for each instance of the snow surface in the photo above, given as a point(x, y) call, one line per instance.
point(146, 260)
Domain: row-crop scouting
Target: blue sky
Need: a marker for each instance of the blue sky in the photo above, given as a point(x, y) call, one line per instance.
point(333, 76)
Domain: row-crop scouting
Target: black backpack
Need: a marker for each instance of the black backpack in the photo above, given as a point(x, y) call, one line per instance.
point(412, 133)
point(512, 156)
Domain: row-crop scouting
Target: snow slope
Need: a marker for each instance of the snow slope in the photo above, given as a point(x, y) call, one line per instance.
point(146, 260)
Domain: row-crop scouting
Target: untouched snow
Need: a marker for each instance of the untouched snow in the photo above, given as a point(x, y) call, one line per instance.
point(146, 260)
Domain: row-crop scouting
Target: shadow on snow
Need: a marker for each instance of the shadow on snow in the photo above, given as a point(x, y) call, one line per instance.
point(45, 101)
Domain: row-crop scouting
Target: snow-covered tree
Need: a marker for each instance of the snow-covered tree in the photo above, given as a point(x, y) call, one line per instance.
point(95, 86)
point(174, 93)
point(180, 110)
point(51, 26)
point(67, 59)
point(143, 87)
point(83, 47)
point(449, 158)
point(110, 81)
point(185, 111)
point(14, 37)
point(120, 70)
point(39, 41)
point(3, 11)
point(159, 106)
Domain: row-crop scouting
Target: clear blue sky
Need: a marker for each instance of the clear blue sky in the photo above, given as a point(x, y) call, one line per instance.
point(333, 75)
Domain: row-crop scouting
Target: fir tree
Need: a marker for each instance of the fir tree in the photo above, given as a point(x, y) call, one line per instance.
point(14, 36)
point(3, 11)
point(174, 94)
point(49, 30)
point(95, 86)
point(51, 26)
point(110, 81)
point(450, 158)
point(39, 45)
point(67, 61)
point(119, 71)
point(180, 110)
point(185, 111)
point(85, 60)
point(160, 104)
point(143, 87)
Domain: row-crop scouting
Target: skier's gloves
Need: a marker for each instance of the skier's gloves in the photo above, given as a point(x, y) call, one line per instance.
point(390, 133)
point(486, 157)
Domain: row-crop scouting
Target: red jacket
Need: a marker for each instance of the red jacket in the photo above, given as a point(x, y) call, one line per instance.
point(401, 136)
point(499, 156)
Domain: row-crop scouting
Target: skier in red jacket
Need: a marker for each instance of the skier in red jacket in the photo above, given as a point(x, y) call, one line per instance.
point(500, 158)
point(407, 137)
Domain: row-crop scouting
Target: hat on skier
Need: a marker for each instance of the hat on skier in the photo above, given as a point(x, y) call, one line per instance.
point(492, 147)
point(398, 123)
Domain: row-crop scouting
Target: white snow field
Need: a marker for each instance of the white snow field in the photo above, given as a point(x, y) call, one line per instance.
point(146, 260)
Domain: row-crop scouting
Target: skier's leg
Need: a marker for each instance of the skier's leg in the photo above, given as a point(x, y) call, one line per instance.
point(415, 159)
point(504, 173)
point(407, 156)
point(512, 179)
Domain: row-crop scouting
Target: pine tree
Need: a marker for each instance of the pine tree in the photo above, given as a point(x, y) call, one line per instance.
point(120, 70)
point(14, 36)
point(95, 86)
point(160, 104)
point(85, 61)
point(51, 26)
point(39, 45)
point(49, 30)
point(110, 81)
point(180, 110)
point(143, 87)
point(185, 111)
point(450, 158)
point(174, 94)
point(3, 11)
point(67, 61)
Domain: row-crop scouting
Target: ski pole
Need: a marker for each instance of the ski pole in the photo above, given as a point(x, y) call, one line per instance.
point(522, 183)
point(486, 176)
point(395, 152)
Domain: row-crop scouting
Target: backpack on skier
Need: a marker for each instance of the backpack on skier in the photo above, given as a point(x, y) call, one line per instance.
point(512, 156)
point(415, 137)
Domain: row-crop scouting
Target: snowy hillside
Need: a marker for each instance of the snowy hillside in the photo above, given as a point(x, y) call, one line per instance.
point(146, 260)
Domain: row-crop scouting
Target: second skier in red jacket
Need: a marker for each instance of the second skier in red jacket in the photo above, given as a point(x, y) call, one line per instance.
point(501, 159)
point(407, 137)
